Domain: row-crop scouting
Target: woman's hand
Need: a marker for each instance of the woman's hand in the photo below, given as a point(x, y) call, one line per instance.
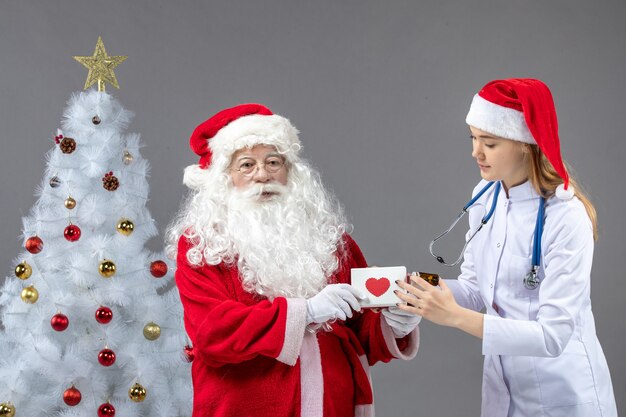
point(437, 304)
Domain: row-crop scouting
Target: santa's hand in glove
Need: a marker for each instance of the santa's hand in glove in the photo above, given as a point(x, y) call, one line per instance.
point(334, 302)
point(400, 321)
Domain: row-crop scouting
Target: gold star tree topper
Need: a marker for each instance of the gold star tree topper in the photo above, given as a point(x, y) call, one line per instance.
point(100, 67)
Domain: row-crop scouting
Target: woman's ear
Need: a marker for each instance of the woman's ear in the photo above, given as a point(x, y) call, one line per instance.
point(525, 148)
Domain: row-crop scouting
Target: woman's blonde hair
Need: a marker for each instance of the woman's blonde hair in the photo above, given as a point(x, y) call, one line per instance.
point(545, 179)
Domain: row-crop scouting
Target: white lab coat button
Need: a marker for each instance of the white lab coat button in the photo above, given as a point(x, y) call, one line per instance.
point(491, 286)
point(498, 245)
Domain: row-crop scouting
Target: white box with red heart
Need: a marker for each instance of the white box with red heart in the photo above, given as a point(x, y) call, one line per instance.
point(378, 284)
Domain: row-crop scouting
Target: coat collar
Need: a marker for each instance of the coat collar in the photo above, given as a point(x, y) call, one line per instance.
point(524, 191)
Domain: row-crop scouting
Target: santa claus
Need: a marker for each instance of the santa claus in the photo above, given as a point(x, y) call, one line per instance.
point(264, 263)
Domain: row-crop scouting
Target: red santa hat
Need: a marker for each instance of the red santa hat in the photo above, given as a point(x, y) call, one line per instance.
point(522, 109)
point(229, 130)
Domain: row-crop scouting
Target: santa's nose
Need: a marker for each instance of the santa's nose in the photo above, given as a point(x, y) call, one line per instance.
point(261, 174)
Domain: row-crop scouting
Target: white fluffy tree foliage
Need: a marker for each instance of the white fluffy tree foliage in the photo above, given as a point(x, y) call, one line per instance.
point(56, 307)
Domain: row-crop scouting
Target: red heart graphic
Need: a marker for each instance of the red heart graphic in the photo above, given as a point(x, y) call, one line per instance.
point(377, 286)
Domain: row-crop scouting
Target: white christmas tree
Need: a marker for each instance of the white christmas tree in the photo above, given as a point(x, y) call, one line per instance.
point(92, 323)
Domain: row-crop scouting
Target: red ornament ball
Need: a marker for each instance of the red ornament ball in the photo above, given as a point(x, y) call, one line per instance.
point(72, 233)
point(34, 244)
point(72, 396)
point(106, 410)
point(59, 322)
point(106, 357)
point(104, 315)
point(189, 354)
point(158, 269)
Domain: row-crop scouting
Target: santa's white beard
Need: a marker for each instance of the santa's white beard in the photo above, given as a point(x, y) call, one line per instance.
point(285, 242)
point(280, 249)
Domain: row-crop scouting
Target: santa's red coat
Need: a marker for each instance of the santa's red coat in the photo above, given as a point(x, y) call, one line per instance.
point(255, 357)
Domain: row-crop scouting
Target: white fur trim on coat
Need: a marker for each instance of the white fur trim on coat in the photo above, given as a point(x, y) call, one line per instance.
point(253, 130)
point(311, 378)
point(294, 331)
point(498, 120)
point(390, 339)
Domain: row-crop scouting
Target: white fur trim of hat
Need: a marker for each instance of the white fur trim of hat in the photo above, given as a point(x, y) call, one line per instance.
point(498, 120)
point(254, 130)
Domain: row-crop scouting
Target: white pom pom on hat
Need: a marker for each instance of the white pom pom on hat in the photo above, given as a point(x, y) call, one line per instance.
point(195, 177)
point(522, 109)
point(564, 194)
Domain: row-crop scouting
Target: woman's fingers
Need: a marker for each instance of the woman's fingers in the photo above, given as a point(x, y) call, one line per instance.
point(421, 283)
point(410, 309)
point(407, 298)
point(410, 288)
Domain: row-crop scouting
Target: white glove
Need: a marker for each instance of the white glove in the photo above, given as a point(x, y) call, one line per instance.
point(335, 301)
point(401, 322)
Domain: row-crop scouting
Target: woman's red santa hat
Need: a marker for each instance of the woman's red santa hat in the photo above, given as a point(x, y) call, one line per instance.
point(522, 109)
point(229, 130)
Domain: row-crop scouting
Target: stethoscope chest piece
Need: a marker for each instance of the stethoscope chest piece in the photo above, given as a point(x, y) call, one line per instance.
point(531, 281)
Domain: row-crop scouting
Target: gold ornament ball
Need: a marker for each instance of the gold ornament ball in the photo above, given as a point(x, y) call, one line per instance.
point(70, 203)
point(151, 331)
point(107, 268)
point(29, 295)
point(23, 270)
point(127, 158)
point(125, 227)
point(7, 410)
point(137, 393)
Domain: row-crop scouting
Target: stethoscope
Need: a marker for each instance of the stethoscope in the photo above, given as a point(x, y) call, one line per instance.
point(531, 280)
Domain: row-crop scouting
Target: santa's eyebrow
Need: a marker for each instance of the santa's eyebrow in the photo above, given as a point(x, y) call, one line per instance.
point(239, 158)
point(268, 155)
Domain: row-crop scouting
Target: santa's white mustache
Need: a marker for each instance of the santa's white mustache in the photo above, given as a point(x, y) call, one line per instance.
point(259, 190)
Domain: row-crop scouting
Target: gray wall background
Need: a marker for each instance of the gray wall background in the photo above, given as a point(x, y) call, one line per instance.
point(379, 91)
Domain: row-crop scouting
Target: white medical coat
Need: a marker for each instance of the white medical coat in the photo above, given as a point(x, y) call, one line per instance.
point(542, 356)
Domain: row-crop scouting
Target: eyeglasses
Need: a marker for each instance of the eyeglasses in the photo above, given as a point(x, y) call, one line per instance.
point(248, 166)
